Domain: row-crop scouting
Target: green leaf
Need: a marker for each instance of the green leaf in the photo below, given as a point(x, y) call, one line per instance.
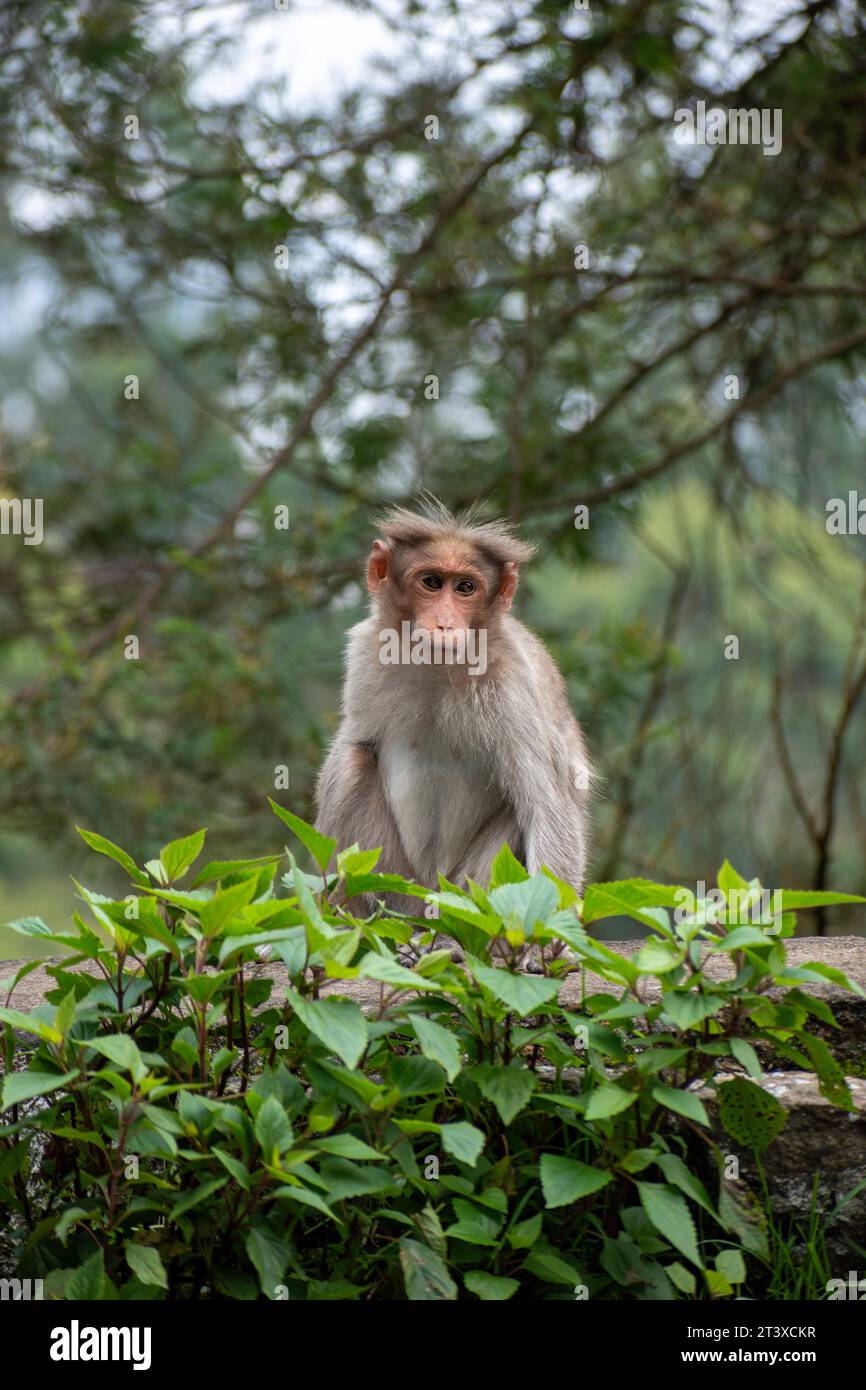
point(222, 868)
point(657, 957)
point(741, 938)
point(746, 1056)
point(197, 1194)
point(750, 1114)
point(831, 1077)
point(508, 1088)
point(462, 1141)
point(524, 1234)
point(682, 1102)
point(234, 1166)
point(609, 1099)
point(29, 1023)
point(338, 1023)
point(319, 845)
point(345, 1179)
point(506, 869)
point(522, 994)
point(269, 1255)
point(348, 1146)
point(474, 1225)
point(123, 1051)
point(88, 1281)
point(273, 1130)
point(565, 1180)
point(24, 1085)
point(729, 879)
point(626, 898)
point(437, 1043)
point(548, 1264)
point(492, 1288)
point(741, 1212)
point(525, 903)
point(307, 1198)
point(792, 901)
point(219, 910)
point(731, 1264)
point(425, 1273)
point(103, 846)
point(682, 1177)
point(378, 967)
point(177, 855)
point(146, 1265)
point(688, 1008)
point(682, 1278)
point(670, 1215)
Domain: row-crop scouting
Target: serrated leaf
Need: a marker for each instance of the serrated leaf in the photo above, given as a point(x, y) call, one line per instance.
point(609, 1099)
point(682, 1103)
point(731, 1264)
point(565, 1180)
point(522, 994)
point(425, 1273)
point(688, 1008)
point(87, 1283)
point(524, 1234)
point(508, 1088)
point(29, 1023)
point(474, 1225)
point(146, 1265)
point(437, 1043)
point(831, 1078)
point(177, 856)
point(215, 914)
point(506, 869)
point(670, 1215)
point(462, 1141)
point(338, 1023)
point(321, 847)
point(123, 1051)
point(681, 1278)
point(120, 856)
point(626, 898)
point(273, 1130)
point(269, 1256)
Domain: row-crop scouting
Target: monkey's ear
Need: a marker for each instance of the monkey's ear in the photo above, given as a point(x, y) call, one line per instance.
point(508, 585)
point(377, 566)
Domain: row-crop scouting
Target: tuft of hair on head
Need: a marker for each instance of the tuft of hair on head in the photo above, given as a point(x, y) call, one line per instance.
point(432, 521)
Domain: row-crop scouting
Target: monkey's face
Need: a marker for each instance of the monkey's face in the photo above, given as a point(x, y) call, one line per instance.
point(438, 588)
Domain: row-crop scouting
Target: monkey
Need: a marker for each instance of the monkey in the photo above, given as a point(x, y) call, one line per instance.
point(441, 762)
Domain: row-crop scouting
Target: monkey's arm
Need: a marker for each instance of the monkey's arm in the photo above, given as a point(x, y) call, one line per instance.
point(352, 807)
point(543, 767)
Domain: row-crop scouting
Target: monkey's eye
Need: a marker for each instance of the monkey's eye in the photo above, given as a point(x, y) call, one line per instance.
point(431, 581)
point(465, 586)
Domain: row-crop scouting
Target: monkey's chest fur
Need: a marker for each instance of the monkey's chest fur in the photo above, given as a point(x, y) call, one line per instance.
point(441, 788)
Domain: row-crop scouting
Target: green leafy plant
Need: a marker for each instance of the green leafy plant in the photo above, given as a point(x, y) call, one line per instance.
point(179, 1124)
